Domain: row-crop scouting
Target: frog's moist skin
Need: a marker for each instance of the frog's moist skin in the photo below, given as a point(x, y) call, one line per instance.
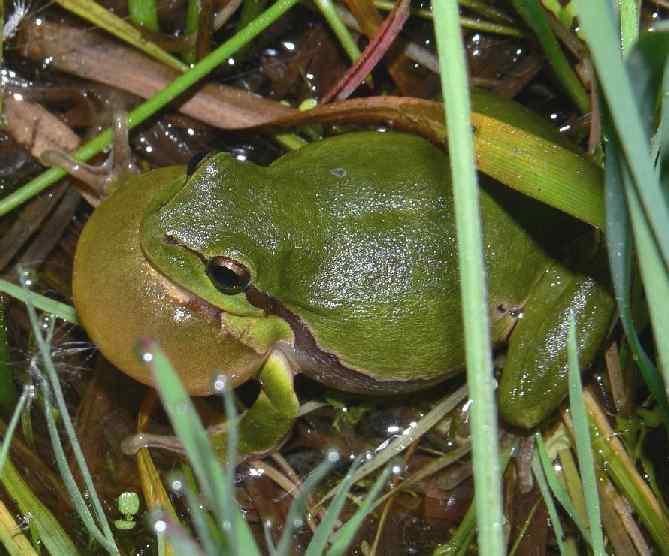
point(348, 254)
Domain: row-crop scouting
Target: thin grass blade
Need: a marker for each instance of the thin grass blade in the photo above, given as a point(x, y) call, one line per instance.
point(191, 433)
point(43, 303)
point(297, 508)
point(586, 462)
point(320, 538)
point(601, 34)
point(618, 237)
point(557, 488)
point(535, 17)
point(24, 399)
point(538, 472)
point(487, 479)
point(57, 391)
point(344, 537)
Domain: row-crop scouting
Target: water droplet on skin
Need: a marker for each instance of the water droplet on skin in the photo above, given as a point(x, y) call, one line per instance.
point(333, 456)
point(146, 356)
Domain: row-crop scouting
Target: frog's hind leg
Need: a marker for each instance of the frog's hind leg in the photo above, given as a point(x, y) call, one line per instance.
point(267, 422)
point(534, 379)
point(261, 428)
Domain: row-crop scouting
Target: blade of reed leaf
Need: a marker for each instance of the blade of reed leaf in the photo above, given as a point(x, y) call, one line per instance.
point(601, 34)
point(487, 479)
point(645, 63)
point(586, 462)
point(56, 308)
point(535, 17)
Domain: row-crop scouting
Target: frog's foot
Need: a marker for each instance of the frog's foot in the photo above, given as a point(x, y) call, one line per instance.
point(534, 380)
point(261, 428)
point(99, 177)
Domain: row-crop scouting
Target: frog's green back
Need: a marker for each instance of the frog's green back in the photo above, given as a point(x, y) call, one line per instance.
point(356, 236)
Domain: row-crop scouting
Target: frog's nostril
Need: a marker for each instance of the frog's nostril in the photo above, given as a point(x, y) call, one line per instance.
point(227, 275)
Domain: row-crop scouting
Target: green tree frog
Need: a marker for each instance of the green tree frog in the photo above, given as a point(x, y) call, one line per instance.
point(337, 261)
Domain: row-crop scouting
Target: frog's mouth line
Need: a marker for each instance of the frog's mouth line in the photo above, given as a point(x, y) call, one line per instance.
point(324, 366)
point(305, 353)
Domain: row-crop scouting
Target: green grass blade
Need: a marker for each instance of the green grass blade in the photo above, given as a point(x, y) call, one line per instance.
point(194, 438)
point(298, 507)
point(155, 103)
point(629, 23)
point(620, 262)
point(320, 538)
point(472, 278)
point(26, 397)
point(180, 539)
point(458, 544)
point(550, 504)
point(557, 488)
point(535, 17)
point(51, 535)
point(408, 436)
point(340, 30)
point(198, 515)
point(107, 539)
point(344, 537)
point(144, 13)
point(586, 462)
point(7, 387)
point(43, 303)
point(229, 507)
point(598, 23)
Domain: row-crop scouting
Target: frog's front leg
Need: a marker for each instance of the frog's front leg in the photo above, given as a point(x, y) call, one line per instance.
point(535, 377)
point(99, 178)
point(261, 428)
point(267, 422)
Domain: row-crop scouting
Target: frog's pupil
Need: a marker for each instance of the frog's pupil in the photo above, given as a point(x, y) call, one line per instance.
point(226, 279)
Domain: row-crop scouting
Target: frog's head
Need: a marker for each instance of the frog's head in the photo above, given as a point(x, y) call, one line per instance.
point(214, 235)
point(120, 297)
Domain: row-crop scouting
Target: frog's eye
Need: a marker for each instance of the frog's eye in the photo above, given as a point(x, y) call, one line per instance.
point(194, 162)
point(227, 275)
